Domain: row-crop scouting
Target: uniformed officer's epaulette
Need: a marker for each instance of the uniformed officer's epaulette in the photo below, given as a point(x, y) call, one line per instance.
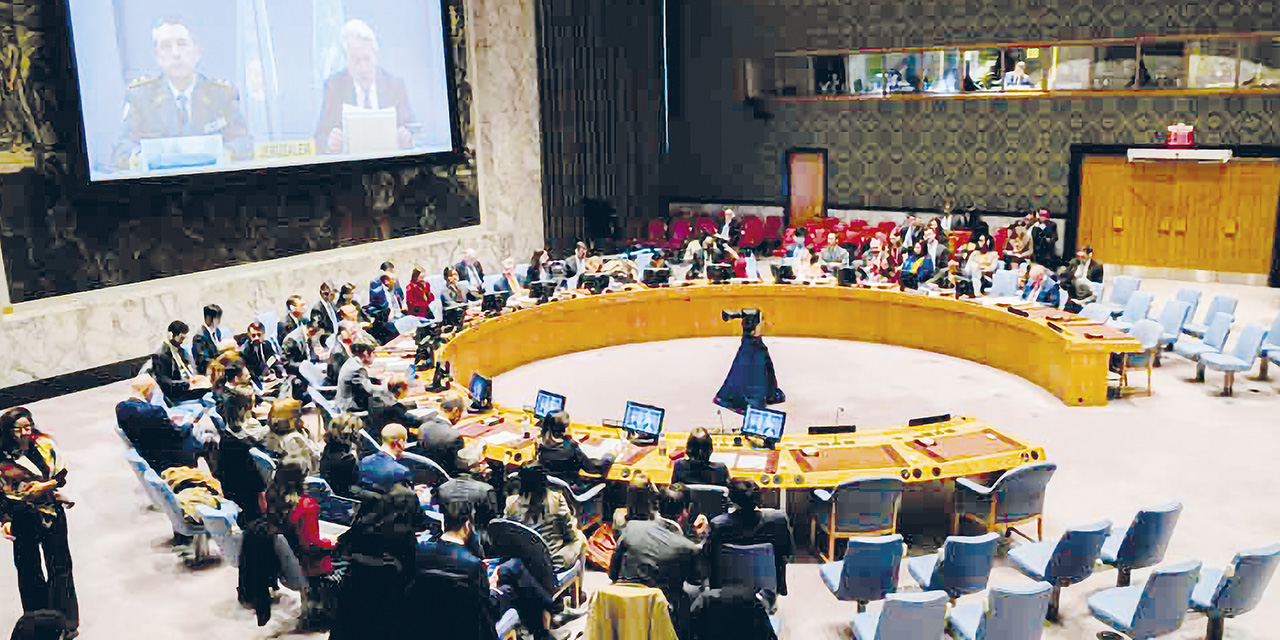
point(144, 80)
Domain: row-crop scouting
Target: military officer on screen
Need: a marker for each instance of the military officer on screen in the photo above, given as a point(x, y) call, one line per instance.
point(181, 101)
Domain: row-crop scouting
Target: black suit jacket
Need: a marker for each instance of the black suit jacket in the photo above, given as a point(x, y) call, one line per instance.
point(650, 553)
point(690, 471)
point(204, 349)
point(1095, 270)
point(327, 323)
point(451, 581)
point(486, 504)
point(751, 527)
point(257, 355)
point(441, 442)
point(286, 327)
point(167, 372)
point(340, 89)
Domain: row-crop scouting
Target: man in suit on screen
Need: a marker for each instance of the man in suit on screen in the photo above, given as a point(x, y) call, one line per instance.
point(362, 84)
point(181, 101)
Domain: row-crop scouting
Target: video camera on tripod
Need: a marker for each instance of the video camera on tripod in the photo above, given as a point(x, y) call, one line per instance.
point(750, 319)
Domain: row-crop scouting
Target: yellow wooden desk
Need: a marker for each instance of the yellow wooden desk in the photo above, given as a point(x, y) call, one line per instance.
point(1068, 363)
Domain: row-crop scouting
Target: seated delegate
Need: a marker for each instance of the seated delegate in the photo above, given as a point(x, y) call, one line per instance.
point(560, 455)
point(749, 524)
point(696, 466)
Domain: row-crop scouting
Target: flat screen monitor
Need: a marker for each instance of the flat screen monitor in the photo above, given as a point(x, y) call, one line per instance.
point(654, 277)
point(764, 423)
point(719, 272)
point(547, 403)
point(494, 301)
point(180, 88)
point(782, 273)
point(455, 316)
point(643, 419)
point(595, 282)
point(847, 276)
point(542, 290)
point(481, 389)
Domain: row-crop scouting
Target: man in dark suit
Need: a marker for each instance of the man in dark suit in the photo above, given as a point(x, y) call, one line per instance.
point(303, 345)
point(576, 263)
point(260, 356)
point(295, 314)
point(204, 347)
point(329, 318)
point(355, 387)
point(362, 84)
point(438, 439)
point(749, 524)
point(452, 579)
point(180, 102)
point(1044, 240)
point(1082, 277)
point(173, 369)
point(469, 485)
point(656, 553)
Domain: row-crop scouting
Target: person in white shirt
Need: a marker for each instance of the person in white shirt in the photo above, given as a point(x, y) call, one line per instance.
point(833, 256)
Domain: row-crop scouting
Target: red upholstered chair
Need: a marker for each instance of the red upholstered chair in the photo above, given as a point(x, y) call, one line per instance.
point(657, 233)
point(706, 225)
point(788, 236)
point(887, 226)
point(857, 224)
point(680, 230)
point(1002, 235)
point(752, 232)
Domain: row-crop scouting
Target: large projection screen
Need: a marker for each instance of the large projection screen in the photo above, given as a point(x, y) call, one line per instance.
point(177, 87)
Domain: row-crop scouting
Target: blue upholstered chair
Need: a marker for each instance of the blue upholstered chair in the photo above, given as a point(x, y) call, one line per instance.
point(866, 506)
point(961, 566)
point(1004, 284)
point(1270, 347)
point(265, 463)
point(1136, 309)
point(1122, 288)
point(437, 286)
point(709, 500)
point(1191, 297)
point(904, 616)
point(588, 503)
point(1241, 357)
point(1096, 312)
point(1215, 338)
point(1017, 496)
point(1012, 612)
point(1172, 317)
point(271, 326)
point(1062, 563)
point(510, 539)
point(171, 508)
point(1147, 332)
point(508, 625)
point(140, 469)
point(1219, 304)
point(1151, 609)
point(221, 524)
point(869, 570)
point(1143, 542)
point(1226, 594)
point(750, 565)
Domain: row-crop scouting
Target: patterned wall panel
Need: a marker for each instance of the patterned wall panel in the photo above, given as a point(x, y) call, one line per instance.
point(1000, 155)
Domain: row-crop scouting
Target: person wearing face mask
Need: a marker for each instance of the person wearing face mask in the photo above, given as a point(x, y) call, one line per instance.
point(33, 516)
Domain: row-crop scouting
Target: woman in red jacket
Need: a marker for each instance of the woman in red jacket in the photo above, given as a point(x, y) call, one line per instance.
point(297, 516)
point(418, 296)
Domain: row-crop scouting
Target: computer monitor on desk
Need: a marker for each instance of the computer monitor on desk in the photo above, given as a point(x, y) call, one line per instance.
point(783, 273)
point(542, 290)
point(547, 403)
point(595, 282)
point(766, 424)
point(454, 317)
point(656, 277)
point(494, 301)
point(719, 273)
point(481, 389)
point(643, 421)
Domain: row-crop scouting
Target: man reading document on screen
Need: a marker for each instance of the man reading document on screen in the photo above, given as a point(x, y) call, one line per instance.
point(181, 103)
point(366, 109)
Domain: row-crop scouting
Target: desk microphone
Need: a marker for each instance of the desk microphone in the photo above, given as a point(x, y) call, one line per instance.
point(839, 410)
point(721, 418)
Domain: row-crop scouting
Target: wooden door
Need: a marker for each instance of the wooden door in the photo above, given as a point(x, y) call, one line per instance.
point(807, 185)
point(1180, 215)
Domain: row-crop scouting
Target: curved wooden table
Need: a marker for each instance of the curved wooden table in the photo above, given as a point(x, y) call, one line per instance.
point(1064, 361)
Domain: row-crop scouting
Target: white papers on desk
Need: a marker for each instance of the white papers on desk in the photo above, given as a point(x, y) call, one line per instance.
point(332, 530)
point(369, 131)
point(500, 438)
point(597, 451)
point(727, 459)
point(743, 461)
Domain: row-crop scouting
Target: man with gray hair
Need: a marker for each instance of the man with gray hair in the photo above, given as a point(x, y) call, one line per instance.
point(362, 85)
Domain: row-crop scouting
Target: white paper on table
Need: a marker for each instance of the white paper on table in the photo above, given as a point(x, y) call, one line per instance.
point(500, 438)
point(748, 462)
point(724, 458)
point(368, 131)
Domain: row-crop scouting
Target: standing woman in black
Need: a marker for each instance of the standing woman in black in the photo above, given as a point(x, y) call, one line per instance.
point(33, 517)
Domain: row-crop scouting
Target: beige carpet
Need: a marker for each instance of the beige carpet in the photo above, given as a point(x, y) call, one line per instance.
point(1216, 455)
